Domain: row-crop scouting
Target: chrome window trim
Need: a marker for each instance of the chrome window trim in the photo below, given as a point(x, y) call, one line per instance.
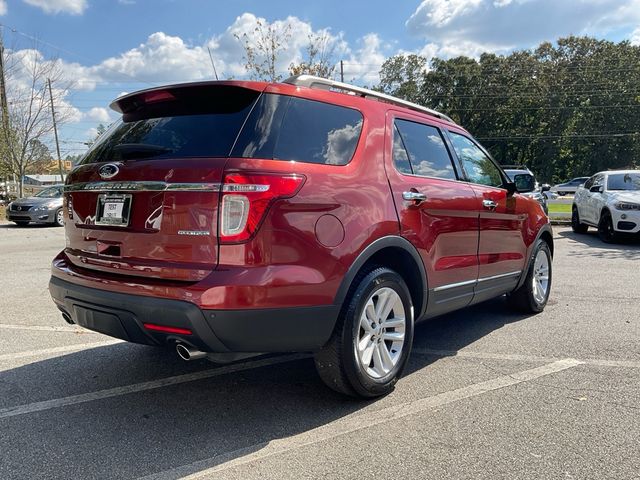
point(475, 282)
point(142, 186)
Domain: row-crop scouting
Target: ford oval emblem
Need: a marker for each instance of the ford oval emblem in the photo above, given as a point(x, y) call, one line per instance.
point(109, 170)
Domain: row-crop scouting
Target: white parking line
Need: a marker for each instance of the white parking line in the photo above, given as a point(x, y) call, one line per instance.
point(46, 328)
point(50, 351)
point(521, 358)
point(139, 387)
point(353, 423)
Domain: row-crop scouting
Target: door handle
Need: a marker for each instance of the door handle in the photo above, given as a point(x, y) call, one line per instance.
point(489, 204)
point(414, 196)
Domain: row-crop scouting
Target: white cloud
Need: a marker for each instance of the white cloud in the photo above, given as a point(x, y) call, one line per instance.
point(635, 37)
point(3, 7)
point(460, 26)
point(74, 7)
point(442, 12)
point(98, 114)
point(363, 64)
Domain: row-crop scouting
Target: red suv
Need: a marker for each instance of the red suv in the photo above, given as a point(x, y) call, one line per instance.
point(229, 219)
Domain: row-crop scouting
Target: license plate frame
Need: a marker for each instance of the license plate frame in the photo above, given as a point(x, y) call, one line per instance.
point(118, 206)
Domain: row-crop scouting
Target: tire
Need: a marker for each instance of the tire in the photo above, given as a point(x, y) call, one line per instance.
point(59, 218)
point(341, 364)
point(533, 295)
point(576, 226)
point(605, 228)
point(21, 223)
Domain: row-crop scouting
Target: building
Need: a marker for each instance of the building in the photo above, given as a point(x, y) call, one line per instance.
point(42, 180)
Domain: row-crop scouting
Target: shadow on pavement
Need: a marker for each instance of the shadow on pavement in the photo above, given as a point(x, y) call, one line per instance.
point(627, 247)
point(11, 225)
point(138, 434)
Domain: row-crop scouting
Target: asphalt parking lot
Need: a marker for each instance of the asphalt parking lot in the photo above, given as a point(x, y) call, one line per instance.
point(487, 394)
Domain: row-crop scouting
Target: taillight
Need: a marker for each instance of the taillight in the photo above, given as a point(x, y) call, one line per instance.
point(247, 197)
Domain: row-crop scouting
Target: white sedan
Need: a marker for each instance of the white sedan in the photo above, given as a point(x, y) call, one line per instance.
point(609, 201)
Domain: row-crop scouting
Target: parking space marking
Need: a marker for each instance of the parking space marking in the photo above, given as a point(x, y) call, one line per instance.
point(50, 351)
point(45, 328)
point(522, 358)
point(140, 387)
point(353, 423)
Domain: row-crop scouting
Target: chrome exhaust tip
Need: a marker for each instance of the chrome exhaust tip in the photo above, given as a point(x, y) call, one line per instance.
point(67, 319)
point(187, 353)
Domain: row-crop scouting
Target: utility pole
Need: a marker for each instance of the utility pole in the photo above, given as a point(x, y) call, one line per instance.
point(4, 104)
point(3, 91)
point(341, 71)
point(55, 131)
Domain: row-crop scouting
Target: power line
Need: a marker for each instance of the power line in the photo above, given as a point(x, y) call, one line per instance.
point(576, 136)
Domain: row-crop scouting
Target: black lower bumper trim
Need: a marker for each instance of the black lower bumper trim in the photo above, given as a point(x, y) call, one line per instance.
point(265, 330)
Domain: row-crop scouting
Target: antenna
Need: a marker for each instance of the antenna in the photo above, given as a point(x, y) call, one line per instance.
point(212, 64)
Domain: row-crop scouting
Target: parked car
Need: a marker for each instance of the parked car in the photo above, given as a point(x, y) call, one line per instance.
point(44, 207)
point(527, 184)
point(229, 219)
point(609, 201)
point(569, 187)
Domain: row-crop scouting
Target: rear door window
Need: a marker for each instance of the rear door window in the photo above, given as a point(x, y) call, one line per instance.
point(292, 128)
point(426, 150)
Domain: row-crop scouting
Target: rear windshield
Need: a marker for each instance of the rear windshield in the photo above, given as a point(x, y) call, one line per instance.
point(278, 127)
point(198, 123)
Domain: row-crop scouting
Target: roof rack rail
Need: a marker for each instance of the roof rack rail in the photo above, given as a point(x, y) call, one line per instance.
point(312, 81)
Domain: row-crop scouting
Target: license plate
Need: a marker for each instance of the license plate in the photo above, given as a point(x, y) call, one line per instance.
point(113, 210)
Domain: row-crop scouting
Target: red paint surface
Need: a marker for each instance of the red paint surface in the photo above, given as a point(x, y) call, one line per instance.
point(284, 263)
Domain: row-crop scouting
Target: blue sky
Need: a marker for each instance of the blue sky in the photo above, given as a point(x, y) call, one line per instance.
point(112, 46)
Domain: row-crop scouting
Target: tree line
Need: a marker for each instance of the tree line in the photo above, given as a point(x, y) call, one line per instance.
point(564, 110)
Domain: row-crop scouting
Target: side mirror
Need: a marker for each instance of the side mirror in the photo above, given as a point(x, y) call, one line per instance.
point(597, 189)
point(524, 183)
point(510, 187)
point(545, 188)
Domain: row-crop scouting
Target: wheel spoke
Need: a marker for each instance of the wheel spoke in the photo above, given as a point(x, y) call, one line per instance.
point(387, 362)
point(364, 341)
point(394, 322)
point(370, 311)
point(393, 336)
point(391, 300)
point(367, 354)
point(377, 360)
point(383, 300)
point(365, 323)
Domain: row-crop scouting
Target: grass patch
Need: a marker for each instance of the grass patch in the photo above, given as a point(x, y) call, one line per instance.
point(559, 208)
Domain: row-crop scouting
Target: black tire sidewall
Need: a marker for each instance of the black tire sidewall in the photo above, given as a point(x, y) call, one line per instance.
point(361, 382)
point(576, 225)
point(604, 235)
point(575, 219)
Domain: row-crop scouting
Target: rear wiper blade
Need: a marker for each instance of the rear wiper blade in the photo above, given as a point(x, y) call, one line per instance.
point(140, 149)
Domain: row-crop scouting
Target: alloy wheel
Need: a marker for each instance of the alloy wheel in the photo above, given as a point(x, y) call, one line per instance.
point(540, 277)
point(381, 335)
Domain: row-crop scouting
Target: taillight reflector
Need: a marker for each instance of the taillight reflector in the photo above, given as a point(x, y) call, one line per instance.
point(246, 199)
point(164, 329)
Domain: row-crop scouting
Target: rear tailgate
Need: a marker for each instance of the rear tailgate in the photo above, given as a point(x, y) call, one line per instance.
point(144, 201)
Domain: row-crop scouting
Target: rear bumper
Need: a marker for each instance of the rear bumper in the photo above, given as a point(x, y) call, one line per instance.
point(123, 316)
